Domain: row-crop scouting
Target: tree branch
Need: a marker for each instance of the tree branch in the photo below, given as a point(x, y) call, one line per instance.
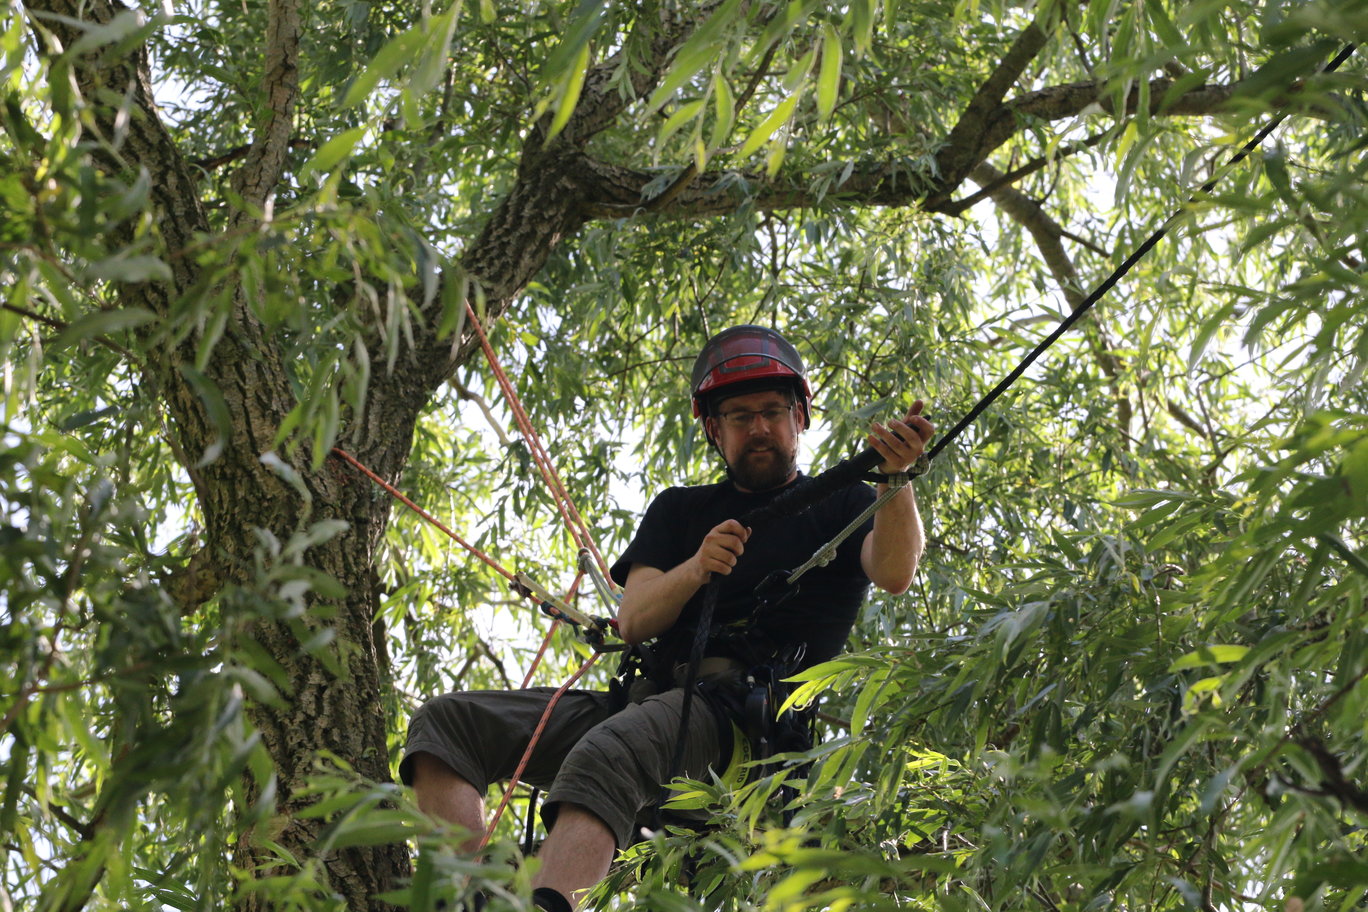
point(467, 394)
point(613, 190)
point(1016, 174)
point(265, 160)
point(60, 325)
point(964, 147)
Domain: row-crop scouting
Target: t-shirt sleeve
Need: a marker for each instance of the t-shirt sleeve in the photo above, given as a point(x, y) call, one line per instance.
point(658, 541)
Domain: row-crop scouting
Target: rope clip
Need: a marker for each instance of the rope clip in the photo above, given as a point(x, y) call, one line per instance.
point(591, 629)
point(775, 589)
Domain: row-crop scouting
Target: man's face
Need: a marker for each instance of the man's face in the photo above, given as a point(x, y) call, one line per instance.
point(758, 436)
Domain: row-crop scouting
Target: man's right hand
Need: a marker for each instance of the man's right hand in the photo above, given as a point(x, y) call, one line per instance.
point(652, 598)
point(721, 548)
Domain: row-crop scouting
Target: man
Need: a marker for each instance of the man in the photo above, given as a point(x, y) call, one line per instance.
point(602, 764)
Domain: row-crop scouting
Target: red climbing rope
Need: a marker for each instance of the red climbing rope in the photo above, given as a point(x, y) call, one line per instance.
point(399, 496)
point(517, 585)
point(573, 521)
point(575, 525)
point(532, 745)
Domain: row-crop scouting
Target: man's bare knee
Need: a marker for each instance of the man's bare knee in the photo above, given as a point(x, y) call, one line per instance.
point(430, 770)
point(446, 794)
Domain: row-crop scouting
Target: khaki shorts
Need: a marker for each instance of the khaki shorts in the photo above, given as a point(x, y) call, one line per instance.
point(611, 764)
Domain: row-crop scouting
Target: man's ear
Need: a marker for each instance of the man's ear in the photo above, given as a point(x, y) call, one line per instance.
point(710, 429)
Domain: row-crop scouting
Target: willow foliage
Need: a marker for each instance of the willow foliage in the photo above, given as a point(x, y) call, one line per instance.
point(234, 236)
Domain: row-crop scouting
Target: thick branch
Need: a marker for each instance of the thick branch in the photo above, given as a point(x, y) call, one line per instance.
point(265, 161)
point(1064, 101)
point(1016, 174)
point(963, 147)
point(246, 368)
point(613, 191)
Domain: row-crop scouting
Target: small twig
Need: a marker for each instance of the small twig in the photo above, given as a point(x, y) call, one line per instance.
point(1016, 174)
point(214, 162)
point(61, 813)
point(466, 394)
point(34, 315)
point(1084, 242)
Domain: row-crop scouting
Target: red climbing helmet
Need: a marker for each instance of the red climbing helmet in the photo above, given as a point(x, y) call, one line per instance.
point(747, 359)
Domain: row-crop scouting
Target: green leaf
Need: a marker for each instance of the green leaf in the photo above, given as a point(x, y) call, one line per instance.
point(129, 268)
point(333, 152)
point(724, 111)
point(682, 115)
point(398, 52)
point(1212, 325)
point(101, 323)
point(860, 20)
point(374, 827)
point(433, 62)
point(777, 118)
point(570, 93)
point(1210, 655)
point(574, 47)
point(697, 52)
point(215, 407)
point(124, 29)
point(1173, 40)
point(829, 76)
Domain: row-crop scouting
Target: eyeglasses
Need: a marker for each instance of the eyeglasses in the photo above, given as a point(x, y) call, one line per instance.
point(743, 418)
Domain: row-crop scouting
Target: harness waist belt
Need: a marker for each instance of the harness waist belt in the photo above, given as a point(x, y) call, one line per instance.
point(710, 667)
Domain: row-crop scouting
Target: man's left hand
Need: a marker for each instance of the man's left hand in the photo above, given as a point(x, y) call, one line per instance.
point(900, 443)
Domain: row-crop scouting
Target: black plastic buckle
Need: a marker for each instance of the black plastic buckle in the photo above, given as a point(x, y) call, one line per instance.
point(775, 589)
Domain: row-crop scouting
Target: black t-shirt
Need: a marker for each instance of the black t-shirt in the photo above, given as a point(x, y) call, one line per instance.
point(823, 611)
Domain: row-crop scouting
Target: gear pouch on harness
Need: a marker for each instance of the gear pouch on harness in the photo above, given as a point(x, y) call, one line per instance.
point(745, 707)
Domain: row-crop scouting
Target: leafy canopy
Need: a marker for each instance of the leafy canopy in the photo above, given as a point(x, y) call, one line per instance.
point(1131, 672)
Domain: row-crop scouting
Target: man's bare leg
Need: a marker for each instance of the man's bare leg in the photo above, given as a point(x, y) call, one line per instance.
point(576, 853)
point(445, 795)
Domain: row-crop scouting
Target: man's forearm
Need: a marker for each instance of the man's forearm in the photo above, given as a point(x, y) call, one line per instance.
point(891, 552)
point(652, 599)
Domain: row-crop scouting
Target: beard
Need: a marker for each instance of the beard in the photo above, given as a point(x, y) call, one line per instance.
point(763, 466)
